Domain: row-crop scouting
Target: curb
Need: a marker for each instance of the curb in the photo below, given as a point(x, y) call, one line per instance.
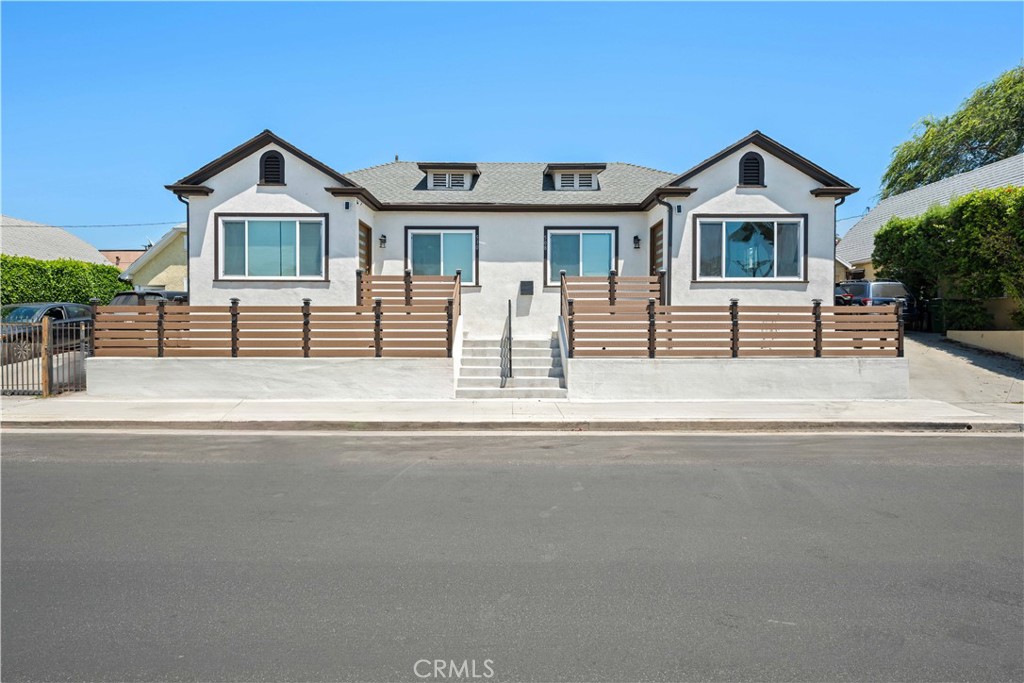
point(534, 426)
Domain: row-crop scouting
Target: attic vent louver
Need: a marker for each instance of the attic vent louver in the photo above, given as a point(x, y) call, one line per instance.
point(586, 181)
point(751, 169)
point(272, 168)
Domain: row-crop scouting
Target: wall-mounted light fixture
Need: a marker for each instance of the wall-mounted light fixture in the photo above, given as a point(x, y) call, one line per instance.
point(636, 241)
point(383, 241)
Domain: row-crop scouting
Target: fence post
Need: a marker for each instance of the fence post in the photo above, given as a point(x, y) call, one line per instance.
point(734, 314)
point(46, 368)
point(160, 328)
point(817, 327)
point(359, 287)
point(378, 338)
point(234, 328)
point(899, 331)
point(451, 324)
point(570, 328)
point(662, 294)
point(651, 329)
point(305, 326)
point(408, 287)
point(93, 306)
point(611, 287)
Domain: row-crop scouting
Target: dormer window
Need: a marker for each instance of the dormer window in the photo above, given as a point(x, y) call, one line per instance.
point(272, 168)
point(574, 176)
point(447, 181)
point(448, 175)
point(577, 181)
point(752, 170)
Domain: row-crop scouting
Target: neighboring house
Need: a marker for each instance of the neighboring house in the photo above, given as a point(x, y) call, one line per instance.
point(858, 244)
point(164, 265)
point(44, 242)
point(269, 224)
point(122, 258)
point(846, 270)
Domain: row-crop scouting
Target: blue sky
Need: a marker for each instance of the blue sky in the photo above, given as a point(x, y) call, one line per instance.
point(103, 104)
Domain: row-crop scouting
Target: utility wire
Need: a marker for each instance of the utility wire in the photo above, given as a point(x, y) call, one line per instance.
point(100, 225)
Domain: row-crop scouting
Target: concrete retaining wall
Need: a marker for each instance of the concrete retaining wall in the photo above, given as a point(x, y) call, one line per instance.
point(1001, 341)
point(595, 379)
point(328, 379)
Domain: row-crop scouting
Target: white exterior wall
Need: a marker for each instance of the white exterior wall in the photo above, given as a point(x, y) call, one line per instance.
point(787, 191)
point(236, 190)
point(511, 249)
point(511, 245)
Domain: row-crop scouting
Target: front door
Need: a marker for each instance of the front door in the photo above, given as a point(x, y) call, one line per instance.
point(365, 248)
point(657, 245)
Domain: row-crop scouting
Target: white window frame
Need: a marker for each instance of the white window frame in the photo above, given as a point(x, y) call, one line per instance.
point(466, 281)
point(774, 220)
point(554, 278)
point(284, 278)
point(575, 187)
point(467, 179)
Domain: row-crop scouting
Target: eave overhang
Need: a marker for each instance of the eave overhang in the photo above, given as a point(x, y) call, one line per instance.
point(189, 190)
point(574, 168)
point(834, 191)
point(427, 166)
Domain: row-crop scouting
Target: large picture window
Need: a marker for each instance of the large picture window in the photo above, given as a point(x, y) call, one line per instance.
point(272, 248)
point(586, 252)
point(442, 251)
point(750, 248)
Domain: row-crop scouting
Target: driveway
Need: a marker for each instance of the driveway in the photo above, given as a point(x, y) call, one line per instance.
point(943, 370)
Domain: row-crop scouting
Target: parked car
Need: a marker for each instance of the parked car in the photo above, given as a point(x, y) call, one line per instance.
point(148, 297)
point(843, 296)
point(882, 293)
point(21, 339)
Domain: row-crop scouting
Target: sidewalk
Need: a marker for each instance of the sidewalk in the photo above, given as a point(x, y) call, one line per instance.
point(78, 411)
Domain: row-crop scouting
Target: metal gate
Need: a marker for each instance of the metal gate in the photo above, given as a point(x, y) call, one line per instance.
point(43, 358)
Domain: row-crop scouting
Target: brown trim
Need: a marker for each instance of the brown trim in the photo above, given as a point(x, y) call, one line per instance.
point(558, 168)
point(776, 149)
point(449, 228)
point(576, 228)
point(189, 190)
point(357, 192)
point(695, 276)
point(427, 166)
point(550, 208)
point(219, 216)
point(251, 146)
point(662, 192)
point(834, 191)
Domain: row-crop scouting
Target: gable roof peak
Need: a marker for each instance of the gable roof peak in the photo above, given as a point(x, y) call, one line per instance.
point(250, 146)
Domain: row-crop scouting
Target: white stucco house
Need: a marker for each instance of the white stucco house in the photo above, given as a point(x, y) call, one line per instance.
point(269, 224)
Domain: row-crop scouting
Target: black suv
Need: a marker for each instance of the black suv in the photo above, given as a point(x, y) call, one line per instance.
point(880, 293)
point(148, 297)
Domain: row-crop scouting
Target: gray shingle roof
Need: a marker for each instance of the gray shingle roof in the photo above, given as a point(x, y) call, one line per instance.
point(402, 182)
point(44, 242)
point(859, 243)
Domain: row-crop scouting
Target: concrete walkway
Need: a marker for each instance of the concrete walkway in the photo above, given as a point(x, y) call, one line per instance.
point(81, 412)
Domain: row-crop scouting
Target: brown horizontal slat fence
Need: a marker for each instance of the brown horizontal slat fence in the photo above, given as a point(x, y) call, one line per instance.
point(597, 328)
point(385, 326)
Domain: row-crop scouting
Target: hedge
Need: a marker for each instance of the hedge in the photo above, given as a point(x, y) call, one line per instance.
point(973, 248)
point(25, 280)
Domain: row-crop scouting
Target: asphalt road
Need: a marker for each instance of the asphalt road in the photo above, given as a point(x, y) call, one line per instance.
point(576, 557)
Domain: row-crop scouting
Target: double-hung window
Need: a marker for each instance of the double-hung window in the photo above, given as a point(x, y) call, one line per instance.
point(750, 248)
point(272, 248)
point(442, 251)
point(586, 252)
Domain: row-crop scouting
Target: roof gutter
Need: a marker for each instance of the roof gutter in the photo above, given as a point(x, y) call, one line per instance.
point(188, 252)
point(668, 252)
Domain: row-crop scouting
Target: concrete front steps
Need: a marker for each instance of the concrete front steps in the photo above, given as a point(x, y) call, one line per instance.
point(536, 369)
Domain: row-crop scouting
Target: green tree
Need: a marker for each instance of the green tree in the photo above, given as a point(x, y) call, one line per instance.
point(24, 280)
point(987, 127)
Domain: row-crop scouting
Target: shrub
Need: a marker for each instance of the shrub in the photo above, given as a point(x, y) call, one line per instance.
point(24, 280)
point(966, 314)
